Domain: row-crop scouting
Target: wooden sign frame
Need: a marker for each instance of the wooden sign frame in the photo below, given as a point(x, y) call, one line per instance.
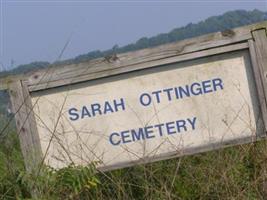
point(252, 38)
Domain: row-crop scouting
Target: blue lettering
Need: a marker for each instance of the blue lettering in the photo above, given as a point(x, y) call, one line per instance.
point(193, 122)
point(112, 141)
point(168, 91)
point(196, 90)
point(157, 95)
point(117, 105)
point(170, 128)
point(96, 108)
point(159, 126)
point(107, 108)
point(137, 135)
point(181, 124)
point(176, 93)
point(148, 131)
point(73, 114)
point(85, 112)
point(206, 86)
point(124, 136)
point(148, 99)
point(184, 91)
point(217, 82)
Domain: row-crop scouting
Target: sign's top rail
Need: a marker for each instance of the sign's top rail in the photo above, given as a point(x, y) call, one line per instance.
point(141, 59)
point(5, 82)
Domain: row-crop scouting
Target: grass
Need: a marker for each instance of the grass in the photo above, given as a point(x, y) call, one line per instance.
point(233, 173)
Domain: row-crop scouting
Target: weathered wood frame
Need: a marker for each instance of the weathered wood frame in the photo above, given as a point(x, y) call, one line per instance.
point(252, 38)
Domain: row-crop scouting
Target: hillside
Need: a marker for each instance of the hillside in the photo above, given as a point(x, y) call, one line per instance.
point(226, 21)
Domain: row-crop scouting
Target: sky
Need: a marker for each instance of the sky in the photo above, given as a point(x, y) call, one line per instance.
point(37, 30)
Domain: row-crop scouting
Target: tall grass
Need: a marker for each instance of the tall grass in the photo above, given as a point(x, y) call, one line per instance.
point(232, 173)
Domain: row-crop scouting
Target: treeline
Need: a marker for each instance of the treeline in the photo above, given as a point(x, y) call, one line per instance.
point(226, 21)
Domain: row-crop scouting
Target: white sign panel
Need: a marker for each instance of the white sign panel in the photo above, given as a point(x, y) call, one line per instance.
point(149, 114)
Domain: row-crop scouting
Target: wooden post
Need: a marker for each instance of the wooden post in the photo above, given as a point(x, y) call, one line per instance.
point(258, 52)
point(26, 125)
point(260, 58)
